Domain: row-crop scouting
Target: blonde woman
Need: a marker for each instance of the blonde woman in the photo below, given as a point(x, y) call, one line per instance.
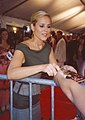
point(31, 58)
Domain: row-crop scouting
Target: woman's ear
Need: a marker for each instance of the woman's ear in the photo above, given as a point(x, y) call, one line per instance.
point(32, 27)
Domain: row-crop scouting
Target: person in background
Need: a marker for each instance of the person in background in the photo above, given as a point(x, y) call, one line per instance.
point(52, 40)
point(4, 62)
point(31, 58)
point(71, 49)
point(80, 56)
point(60, 50)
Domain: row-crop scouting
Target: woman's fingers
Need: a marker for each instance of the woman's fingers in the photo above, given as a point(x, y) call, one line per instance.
point(50, 70)
point(56, 67)
point(67, 67)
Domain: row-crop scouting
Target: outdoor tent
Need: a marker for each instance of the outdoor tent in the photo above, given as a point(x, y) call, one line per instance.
point(67, 15)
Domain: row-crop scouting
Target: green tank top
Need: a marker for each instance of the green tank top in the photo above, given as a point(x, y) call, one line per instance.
point(33, 57)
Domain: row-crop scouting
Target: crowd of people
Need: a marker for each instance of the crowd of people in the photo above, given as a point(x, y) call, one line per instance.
point(44, 52)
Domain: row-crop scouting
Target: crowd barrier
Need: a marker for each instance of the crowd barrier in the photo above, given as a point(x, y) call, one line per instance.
point(31, 81)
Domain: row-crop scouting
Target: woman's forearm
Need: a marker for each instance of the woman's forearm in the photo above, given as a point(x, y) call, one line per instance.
point(22, 72)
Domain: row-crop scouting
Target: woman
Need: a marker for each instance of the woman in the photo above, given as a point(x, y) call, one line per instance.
point(4, 62)
point(31, 58)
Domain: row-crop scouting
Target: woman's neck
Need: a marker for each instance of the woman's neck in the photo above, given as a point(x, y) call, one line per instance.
point(35, 44)
point(39, 44)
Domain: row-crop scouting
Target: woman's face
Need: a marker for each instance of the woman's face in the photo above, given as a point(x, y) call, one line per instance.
point(4, 35)
point(42, 28)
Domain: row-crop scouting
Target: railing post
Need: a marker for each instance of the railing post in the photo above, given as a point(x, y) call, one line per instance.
point(52, 102)
point(30, 101)
point(11, 100)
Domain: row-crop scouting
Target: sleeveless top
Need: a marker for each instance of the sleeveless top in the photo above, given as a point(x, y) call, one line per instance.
point(32, 57)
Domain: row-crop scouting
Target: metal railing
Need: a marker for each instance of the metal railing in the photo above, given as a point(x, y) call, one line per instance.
point(31, 81)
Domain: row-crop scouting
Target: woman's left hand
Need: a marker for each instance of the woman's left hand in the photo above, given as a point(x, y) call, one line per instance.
point(66, 68)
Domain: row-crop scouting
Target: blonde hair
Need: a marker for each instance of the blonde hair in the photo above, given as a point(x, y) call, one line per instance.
point(37, 15)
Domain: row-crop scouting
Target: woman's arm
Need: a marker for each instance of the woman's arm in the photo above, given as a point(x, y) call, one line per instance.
point(16, 71)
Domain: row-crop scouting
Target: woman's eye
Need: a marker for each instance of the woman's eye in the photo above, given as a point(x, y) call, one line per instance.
point(41, 26)
point(44, 26)
point(49, 26)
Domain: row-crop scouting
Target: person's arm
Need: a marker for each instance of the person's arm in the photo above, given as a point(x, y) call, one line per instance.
point(16, 71)
point(74, 91)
